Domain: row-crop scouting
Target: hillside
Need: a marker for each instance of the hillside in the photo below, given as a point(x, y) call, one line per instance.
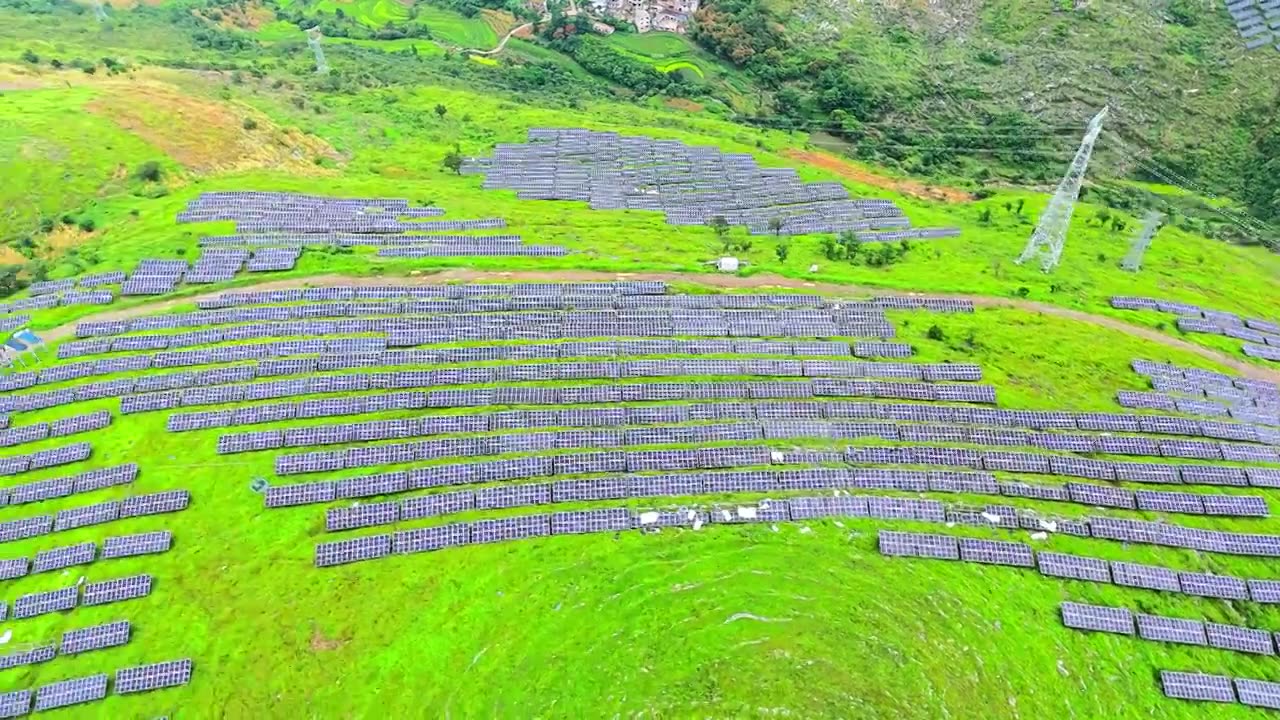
point(310, 423)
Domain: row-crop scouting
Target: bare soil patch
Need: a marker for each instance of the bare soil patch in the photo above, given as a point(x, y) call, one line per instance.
point(849, 170)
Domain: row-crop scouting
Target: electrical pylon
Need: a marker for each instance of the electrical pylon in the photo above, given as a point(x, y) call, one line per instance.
point(1051, 234)
point(313, 39)
point(100, 11)
point(1150, 224)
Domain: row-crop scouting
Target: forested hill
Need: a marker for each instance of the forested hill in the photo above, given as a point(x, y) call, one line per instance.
point(1001, 86)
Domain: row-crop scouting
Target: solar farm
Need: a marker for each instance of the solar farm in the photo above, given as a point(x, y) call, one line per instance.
point(229, 493)
point(690, 185)
point(345, 435)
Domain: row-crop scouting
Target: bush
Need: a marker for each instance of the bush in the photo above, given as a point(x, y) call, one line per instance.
point(250, 124)
point(30, 57)
point(936, 333)
point(87, 224)
point(149, 171)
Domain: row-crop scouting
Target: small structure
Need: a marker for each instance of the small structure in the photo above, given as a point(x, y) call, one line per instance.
point(728, 264)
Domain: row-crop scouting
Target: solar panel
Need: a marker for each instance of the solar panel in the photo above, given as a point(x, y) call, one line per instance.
point(1239, 639)
point(154, 503)
point(1145, 576)
point(71, 692)
point(95, 638)
point(64, 557)
point(15, 704)
point(45, 602)
point(589, 521)
point(431, 538)
point(996, 552)
point(33, 656)
point(1258, 693)
point(1074, 567)
point(1098, 618)
point(155, 676)
point(1219, 586)
point(1174, 630)
point(354, 550)
point(941, 547)
point(119, 589)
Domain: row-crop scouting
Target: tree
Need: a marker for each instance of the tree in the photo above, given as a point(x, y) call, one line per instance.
point(720, 226)
point(453, 162)
point(1018, 207)
point(782, 251)
point(775, 226)
point(1103, 216)
point(984, 216)
point(936, 333)
point(441, 110)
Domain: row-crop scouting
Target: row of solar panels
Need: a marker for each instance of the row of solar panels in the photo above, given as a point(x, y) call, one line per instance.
point(1183, 631)
point(614, 520)
point(74, 642)
point(1258, 415)
point(1232, 397)
point(1239, 332)
point(515, 395)
point(1082, 568)
point(625, 487)
point(166, 501)
point(66, 693)
point(746, 429)
point(344, 353)
point(1188, 310)
point(1205, 379)
point(346, 240)
point(70, 485)
point(58, 428)
point(118, 546)
point(1001, 423)
point(53, 457)
point(1157, 473)
point(1206, 383)
point(585, 291)
point(436, 316)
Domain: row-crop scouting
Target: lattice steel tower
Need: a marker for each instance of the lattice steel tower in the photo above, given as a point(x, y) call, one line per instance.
point(1150, 224)
point(313, 39)
point(100, 11)
point(1051, 234)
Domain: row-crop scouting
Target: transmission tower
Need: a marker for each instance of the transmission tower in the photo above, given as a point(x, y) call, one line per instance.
point(1051, 234)
point(313, 39)
point(100, 11)
point(1150, 224)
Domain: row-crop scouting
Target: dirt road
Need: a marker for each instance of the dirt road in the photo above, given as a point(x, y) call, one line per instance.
point(724, 281)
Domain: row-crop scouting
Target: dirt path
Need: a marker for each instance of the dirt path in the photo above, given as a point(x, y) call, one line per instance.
point(724, 281)
point(503, 42)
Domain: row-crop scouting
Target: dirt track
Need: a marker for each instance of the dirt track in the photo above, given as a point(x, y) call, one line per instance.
point(727, 281)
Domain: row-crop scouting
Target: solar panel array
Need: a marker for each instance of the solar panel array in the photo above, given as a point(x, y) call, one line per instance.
point(689, 184)
point(1257, 22)
point(1261, 337)
point(279, 225)
point(613, 520)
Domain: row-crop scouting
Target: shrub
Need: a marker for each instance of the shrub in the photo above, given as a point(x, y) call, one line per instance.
point(87, 224)
point(936, 333)
point(250, 124)
point(30, 57)
point(149, 171)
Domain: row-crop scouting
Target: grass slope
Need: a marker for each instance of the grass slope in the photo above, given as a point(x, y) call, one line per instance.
point(795, 620)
